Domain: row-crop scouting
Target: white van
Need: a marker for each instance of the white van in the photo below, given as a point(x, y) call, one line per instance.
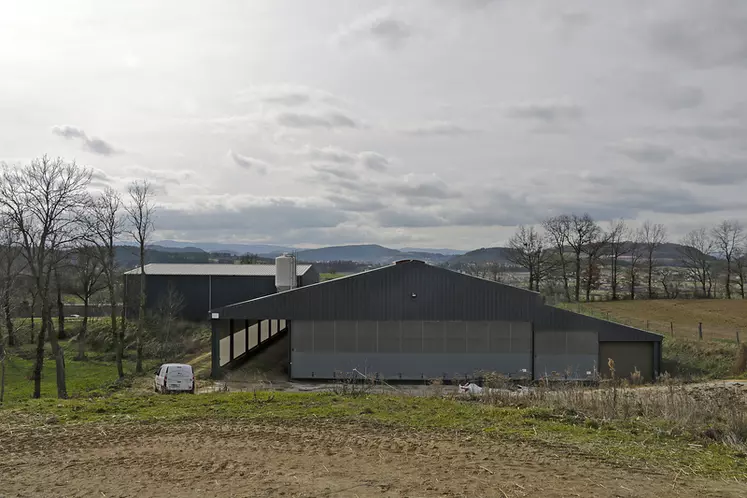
point(173, 378)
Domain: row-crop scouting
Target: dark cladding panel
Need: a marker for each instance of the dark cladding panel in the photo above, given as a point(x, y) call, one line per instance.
point(500, 337)
point(324, 337)
point(345, 337)
point(456, 337)
point(478, 337)
point(367, 337)
point(433, 337)
point(412, 337)
point(389, 337)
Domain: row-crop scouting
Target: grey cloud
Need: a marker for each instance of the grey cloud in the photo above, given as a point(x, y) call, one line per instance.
point(334, 170)
point(358, 204)
point(249, 162)
point(712, 169)
point(380, 28)
point(368, 159)
point(548, 111)
point(329, 120)
point(427, 187)
point(438, 128)
point(91, 144)
point(374, 161)
point(248, 216)
point(643, 151)
point(289, 99)
point(703, 34)
point(408, 218)
point(683, 97)
point(711, 131)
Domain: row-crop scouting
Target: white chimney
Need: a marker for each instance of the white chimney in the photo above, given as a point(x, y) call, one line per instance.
point(285, 272)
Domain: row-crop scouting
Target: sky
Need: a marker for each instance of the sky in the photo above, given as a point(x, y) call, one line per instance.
point(441, 123)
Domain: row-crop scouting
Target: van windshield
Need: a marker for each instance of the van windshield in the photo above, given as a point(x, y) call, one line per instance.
point(179, 371)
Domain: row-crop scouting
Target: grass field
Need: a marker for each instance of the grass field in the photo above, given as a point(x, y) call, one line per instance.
point(330, 276)
point(721, 318)
point(96, 376)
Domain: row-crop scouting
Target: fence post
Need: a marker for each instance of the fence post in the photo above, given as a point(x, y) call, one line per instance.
point(737, 335)
point(671, 328)
point(700, 330)
point(647, 325)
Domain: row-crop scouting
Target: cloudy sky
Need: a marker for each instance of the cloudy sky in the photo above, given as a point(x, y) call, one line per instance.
point(438, 123)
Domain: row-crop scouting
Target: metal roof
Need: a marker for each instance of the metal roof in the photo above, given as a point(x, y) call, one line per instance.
point(213, 269)
point(413, 290)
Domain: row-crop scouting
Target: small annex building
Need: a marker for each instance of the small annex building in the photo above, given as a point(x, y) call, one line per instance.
point(414, 321)
point(202, 287)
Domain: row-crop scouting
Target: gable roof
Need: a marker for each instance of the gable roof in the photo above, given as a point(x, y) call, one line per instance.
point(413, 290)
point(213, 269)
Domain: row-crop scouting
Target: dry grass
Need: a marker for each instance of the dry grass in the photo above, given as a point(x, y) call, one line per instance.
point(720, 317)
point(712, 412)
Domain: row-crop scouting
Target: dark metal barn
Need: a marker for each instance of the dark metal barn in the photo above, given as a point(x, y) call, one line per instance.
point(414, 321)
point(203, 287)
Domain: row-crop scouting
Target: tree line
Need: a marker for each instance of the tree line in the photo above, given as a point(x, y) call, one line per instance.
point(573, 253)
point(57, 237)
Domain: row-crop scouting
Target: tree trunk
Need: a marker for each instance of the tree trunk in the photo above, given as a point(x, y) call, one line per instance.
point(39, 362)
point(650, 278)
point(578, 276)
point(118, 343)
point(8, 318)
point(61, 335)
point(728, 279)
point(2, 375)
point(588, 279)
point(33, 306)
point(141, 313)
point(83, 332)
point(632, 286)
point(531, 278)
point(613, 280)
point(57, 352)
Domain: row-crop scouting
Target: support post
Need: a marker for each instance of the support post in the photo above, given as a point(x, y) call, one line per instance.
point(700, 330)
point(230, 340)
point(215, 370)
point(290, 349)
point(671, 329)
point(246, 335)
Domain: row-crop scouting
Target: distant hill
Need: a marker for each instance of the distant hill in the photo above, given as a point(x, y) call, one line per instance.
point(445, 252)
point(264, 249)
point(365, 253)
point(128, 257)
point(484, 255)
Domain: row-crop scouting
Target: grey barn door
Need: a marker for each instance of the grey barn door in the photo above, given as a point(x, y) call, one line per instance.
point(565, 355)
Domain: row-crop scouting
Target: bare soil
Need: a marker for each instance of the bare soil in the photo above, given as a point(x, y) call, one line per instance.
point(310, 459)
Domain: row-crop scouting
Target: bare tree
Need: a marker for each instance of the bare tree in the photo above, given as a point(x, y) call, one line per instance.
point(654, 235)
point(740, 260)
point(140, 212)
point(583, 231)
point(636, 255)
point(11, 267)
point(557, 229)
point(618, 246)
point(594, 249)
point(728, 237)
point(105, 226)
point(496, 270)
point(42, 201)
point(695, 250)
point(85, 282)
point(526, 248)
point(668, 281)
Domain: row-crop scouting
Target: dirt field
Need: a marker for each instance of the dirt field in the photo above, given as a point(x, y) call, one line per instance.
point(313, 459)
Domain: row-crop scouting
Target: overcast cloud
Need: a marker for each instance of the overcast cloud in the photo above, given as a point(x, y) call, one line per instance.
point(422, 123)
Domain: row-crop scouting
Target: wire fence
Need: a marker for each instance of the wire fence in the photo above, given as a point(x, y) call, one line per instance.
point(678, 329)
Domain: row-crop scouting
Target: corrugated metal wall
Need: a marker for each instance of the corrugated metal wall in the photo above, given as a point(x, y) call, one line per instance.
point(409, 350)
point(563, 354)
point(411, 291)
